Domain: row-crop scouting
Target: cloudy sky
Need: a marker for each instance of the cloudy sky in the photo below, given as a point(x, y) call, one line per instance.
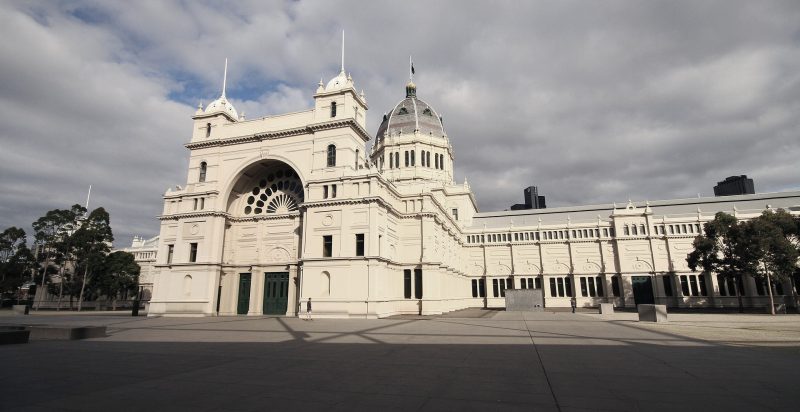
point(593, 102)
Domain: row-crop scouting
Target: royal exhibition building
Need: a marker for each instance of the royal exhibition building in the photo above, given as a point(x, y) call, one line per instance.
point(279, 209)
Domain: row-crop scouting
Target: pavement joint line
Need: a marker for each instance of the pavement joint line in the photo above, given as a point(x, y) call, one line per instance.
point(541, 362)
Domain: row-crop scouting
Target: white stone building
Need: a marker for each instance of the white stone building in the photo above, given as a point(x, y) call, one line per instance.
point(283, 208)
point(144, 252)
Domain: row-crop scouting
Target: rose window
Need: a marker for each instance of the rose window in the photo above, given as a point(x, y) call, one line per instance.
point(279, 191)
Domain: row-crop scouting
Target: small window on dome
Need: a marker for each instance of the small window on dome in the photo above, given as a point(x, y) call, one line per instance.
point(427, 111)
point(402, 110)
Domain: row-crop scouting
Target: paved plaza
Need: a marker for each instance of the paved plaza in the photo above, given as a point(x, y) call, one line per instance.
point(469, 360)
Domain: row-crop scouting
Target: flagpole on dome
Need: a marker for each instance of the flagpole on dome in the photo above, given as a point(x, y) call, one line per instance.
point(410, 69)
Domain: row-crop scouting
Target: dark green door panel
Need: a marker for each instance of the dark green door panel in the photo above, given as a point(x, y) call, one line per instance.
point(244, 294)
point(642, 290)
point(276, 293)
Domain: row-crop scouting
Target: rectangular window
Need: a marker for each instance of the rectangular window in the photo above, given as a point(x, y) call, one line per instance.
point(615, 286)
point(360, 244)
point(732, 287)
point(684, 285)
point(560, 282)
point(455, 214)
point(406, 153)
point(325, 192)
point(703, 289)
point(502, 288)
point(538, 283)
point(584, 290)
point(195, 204)
point(418, 283)
point(693, 284)
point(407, 283)
point(327, 246)
point(667, 279)
point(721, 283)
point(413, 163)
point(333, 190)
point(760, 287)
point(600, 285)
point(202, 203)
point(170, 251)
point(482, 288)
point(474, 288)
point(495, 286)
point(192, 252)
point(568, 286)
point(553, 292)
point(592, 289)
point(522, 284)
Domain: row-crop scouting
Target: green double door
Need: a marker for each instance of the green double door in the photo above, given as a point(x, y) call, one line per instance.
point(276, 293)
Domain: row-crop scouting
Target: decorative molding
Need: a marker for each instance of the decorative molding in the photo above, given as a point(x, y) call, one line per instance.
point(279, 134)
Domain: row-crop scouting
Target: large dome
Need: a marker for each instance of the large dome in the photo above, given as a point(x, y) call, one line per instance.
point(409, 115)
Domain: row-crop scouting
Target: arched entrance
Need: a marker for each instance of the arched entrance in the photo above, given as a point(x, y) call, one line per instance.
point(262, 240)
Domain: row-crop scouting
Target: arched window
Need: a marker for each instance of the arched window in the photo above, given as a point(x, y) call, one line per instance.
point(407, 158)
point(208, 130)
point(357, 153)
point(397, 159)
point(422, 159)
point(333, 109)
point(331, 155)
point(428, 159)
point(203, 169)
point(187, 285)
point(412, 157)
point(391, 161)
point(436, 160)
point(325, 284)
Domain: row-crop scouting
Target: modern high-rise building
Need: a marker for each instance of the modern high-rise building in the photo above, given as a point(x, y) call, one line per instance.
point(532, 200)
point(735, 185)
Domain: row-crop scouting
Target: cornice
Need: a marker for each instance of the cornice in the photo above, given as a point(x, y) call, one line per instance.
point(278, 134)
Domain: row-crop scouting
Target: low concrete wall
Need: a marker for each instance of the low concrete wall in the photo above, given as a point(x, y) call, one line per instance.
point(524, 300)
point(20, 309)
point(606, 308)
point(14, 334)
point(652, 313)
point(67, 332)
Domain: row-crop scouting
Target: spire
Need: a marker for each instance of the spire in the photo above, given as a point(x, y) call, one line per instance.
point(342, 51)
point(225, 78)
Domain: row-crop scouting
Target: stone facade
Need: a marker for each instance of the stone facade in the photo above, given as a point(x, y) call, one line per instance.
point(284, 208)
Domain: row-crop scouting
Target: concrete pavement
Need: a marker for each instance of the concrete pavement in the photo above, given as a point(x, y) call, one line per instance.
point(472, 360)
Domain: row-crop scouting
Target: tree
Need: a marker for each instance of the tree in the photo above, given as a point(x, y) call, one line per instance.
point(770, 253)
point(52, 230)
point(15, 259)
point(119, 274)
point(720, 250)
point(92, 243)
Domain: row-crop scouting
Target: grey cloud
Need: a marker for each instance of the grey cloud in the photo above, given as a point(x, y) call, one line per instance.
point(594, 102)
